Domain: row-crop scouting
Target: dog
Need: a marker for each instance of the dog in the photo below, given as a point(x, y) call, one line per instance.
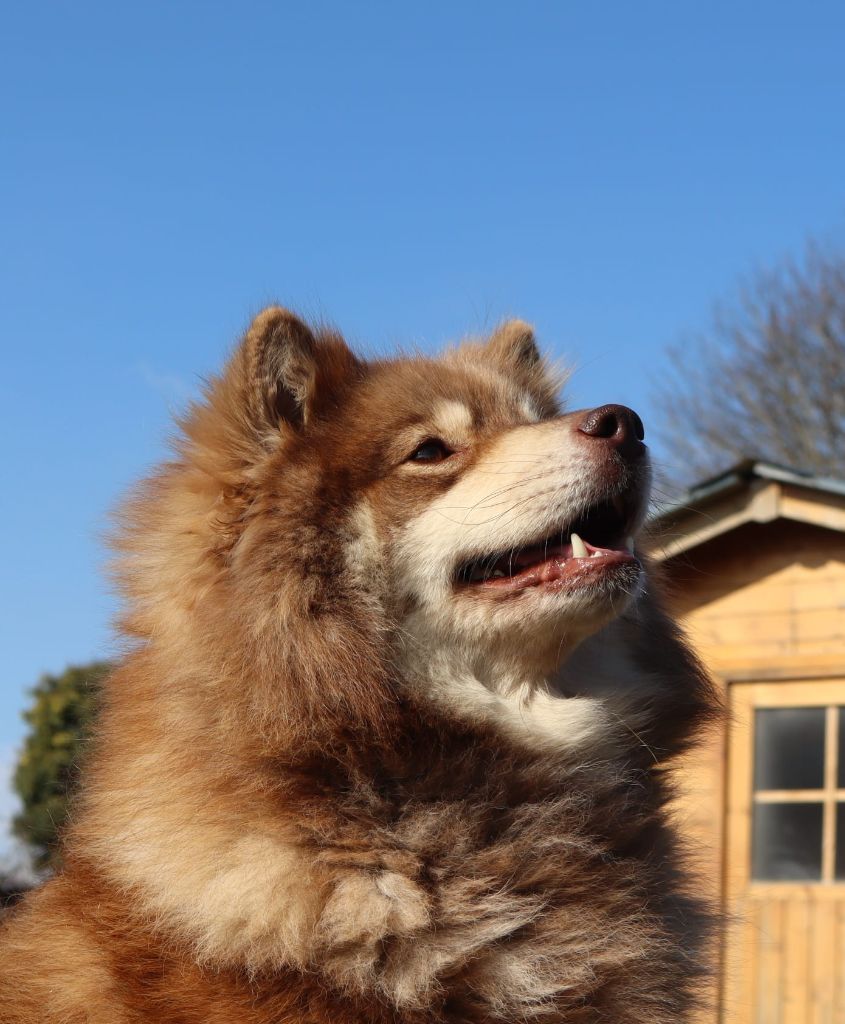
point(393, 737)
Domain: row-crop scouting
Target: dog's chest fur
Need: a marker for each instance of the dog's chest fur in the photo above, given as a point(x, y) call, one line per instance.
point(492, 885)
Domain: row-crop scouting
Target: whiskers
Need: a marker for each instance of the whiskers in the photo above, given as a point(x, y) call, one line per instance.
point(499, 515)
point(501, 496)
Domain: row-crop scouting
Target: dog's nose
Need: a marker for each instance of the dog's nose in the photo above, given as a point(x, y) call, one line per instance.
point(617, 426)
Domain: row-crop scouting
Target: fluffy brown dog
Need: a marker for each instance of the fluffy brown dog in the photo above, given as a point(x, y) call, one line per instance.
point(391, 741)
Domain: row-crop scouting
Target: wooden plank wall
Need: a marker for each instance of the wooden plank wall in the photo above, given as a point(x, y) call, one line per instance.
point(765, 601)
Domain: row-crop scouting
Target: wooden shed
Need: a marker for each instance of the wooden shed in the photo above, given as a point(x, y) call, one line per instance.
point(756, 563)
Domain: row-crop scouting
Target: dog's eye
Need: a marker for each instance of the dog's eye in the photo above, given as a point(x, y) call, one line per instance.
point(432, 450)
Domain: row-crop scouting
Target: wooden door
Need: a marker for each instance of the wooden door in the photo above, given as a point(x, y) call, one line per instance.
point(784, 958)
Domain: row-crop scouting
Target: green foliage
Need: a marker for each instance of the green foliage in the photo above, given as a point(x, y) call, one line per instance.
point(60, 718)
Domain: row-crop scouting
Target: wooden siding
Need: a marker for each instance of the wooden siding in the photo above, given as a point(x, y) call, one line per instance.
point(764, 602)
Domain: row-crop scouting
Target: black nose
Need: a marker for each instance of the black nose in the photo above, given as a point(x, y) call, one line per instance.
point(618, 426)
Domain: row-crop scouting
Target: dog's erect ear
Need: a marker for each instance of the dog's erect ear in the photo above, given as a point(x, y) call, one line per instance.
point(290, 369)
point(513, 346)
point(281, 356)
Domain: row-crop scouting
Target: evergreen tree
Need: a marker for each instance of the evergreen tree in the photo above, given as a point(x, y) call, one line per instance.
point(60, 718)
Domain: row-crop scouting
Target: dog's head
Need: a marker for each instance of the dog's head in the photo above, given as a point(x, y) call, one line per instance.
point(346, 512)
point(470, 506)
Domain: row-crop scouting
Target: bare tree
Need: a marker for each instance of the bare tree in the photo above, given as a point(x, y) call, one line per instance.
point(767, 380)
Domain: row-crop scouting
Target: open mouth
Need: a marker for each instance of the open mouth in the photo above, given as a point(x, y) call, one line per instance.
point(595, 542)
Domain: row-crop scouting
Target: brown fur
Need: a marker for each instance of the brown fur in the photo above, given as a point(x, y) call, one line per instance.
point(277, 825)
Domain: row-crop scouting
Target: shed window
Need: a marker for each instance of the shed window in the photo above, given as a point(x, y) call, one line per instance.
point(787, 841)
point(789, 748)
point(798, 828)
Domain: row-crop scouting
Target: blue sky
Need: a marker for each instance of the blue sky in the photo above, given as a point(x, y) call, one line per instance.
point(411, 172)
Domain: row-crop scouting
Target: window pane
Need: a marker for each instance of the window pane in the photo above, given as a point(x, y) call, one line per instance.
point(789, 748)
point(787, 842)
point(840, 842)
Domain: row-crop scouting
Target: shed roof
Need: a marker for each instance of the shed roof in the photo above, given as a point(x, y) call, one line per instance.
point(749, 491)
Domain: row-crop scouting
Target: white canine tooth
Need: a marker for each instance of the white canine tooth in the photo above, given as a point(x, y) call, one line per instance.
point(629, 544)
point(579, 549)
point(496, 573)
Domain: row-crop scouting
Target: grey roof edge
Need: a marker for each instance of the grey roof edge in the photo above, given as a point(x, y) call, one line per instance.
point(742, 473)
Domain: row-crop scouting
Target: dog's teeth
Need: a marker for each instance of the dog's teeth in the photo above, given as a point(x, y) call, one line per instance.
point(629, 544)
point(579, 549)
point(496, 573)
